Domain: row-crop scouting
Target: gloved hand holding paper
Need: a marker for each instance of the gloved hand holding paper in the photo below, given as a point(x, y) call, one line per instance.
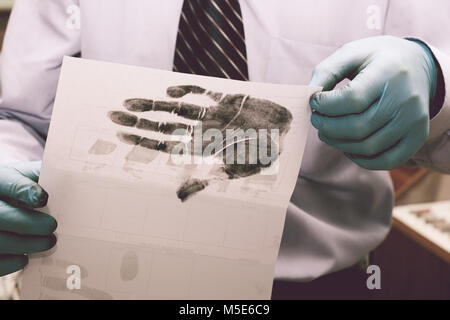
point(166, 185)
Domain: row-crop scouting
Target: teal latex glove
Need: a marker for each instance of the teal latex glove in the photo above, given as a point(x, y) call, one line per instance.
point(381, 117)
point(22, 229)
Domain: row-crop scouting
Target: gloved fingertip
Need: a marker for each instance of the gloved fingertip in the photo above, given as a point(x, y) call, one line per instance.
point(45, 226)
point(38, 196)
point(314, 101)
point(52, 241)
point(10, 263)
point(316, 121)
point(22, 261)
point(52, 225)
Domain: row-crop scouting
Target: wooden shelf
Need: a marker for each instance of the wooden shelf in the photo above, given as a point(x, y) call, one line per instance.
point(404, 178)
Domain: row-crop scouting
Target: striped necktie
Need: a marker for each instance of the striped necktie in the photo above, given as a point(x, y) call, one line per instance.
point(210, 40)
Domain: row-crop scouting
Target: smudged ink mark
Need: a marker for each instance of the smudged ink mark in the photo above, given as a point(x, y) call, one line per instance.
point(102, 147)
point(129, 267)
point(142, 155)
point(180, 91)
point(190, 187)
point(123, 118)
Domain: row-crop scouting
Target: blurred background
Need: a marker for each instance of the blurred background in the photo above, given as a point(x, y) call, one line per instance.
point(5, 7)
point(414, 259)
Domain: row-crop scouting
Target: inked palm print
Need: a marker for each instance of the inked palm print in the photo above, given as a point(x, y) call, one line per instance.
point(228, 112)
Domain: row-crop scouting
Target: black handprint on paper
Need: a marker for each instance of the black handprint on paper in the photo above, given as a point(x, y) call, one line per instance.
point(230, 111)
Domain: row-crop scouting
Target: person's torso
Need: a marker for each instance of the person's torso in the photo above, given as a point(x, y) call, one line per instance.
point(284, 40)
